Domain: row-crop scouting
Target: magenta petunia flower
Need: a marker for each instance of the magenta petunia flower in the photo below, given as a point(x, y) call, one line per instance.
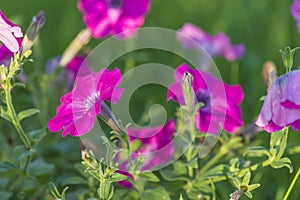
point(295, 9)
point(156, 146)
point(221, 101)
point(282, 104)
point(154, 140)
point(77, 67)
point(110, 17)
point(78, 109)
point(9, 33)
point(193, 37)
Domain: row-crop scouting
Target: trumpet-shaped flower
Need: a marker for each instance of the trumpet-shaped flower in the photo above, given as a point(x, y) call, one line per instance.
point(110, 17)
point(78, 109)
point(9, 33)
point(193, 37)
point(220, 107)
point(282, 104)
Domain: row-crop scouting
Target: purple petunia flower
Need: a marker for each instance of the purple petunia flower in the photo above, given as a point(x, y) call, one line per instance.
point(79, 108)
point(110, 17)
point(193, 37)
point(295, 9)
point(156, 146)
point(9, 33)
point(221, 101)
point(282, 104)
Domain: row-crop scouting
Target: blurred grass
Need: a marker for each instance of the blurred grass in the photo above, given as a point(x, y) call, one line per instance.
point(263, 27)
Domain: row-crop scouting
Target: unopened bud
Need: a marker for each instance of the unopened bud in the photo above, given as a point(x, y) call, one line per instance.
point(80, 40)
point(269, 73)
point(37, 23)
point(188, 92)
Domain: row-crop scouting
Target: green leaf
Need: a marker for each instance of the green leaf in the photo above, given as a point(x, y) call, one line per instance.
point(74, 180)
point(40, 167)
point(5, 195)
point(20, 85)
point(5, 114)
point(176, 171)
point(283, 162)
point(193, 163)
point(37, 135)
point(246, 179)
point(21, 153)
point(53, 190)
point(248, 194)
point(217, 171)
point(257, 151)
point(5, 167)
point(156, 193)
point(253, 186)
point(276, 137)
point(117, 177)
point(149, 176)
point(27, 113)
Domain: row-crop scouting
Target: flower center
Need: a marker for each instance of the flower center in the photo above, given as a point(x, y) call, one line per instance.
point(90, 101)
point(114, 3)
point(204, 97)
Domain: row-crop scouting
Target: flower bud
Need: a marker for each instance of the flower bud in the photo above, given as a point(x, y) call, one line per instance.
point(188, 92)
point(37, 23)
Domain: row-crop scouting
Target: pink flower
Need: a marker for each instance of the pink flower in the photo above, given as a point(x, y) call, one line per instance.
point(221, 101)
point(77, 67)
point(282, 104)
point(157, 147)
point(79, 108)
point(295, 9)
point(9, 33)
point(110, 17)
point(193, 37)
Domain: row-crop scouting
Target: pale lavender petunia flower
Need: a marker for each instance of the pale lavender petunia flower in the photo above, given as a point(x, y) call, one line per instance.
point(295, 9)
point(221, 101)
point(282, 104)
point(9, 33)
point(110, 17)
point(192, 37)
point(78, 109)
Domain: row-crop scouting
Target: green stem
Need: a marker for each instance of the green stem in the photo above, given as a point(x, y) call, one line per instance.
point(17, 125)
point(235, 73)
point(14, 118)
point(287, 194)
point(213, 161)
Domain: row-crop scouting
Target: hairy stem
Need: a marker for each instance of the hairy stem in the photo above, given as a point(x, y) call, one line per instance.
point(14, 118)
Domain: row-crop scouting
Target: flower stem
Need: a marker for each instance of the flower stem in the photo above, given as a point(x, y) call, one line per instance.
point(212, 161)
point(14, 118)
point(287, 194)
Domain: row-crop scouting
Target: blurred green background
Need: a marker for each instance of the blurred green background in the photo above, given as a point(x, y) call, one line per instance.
point(263, 26)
